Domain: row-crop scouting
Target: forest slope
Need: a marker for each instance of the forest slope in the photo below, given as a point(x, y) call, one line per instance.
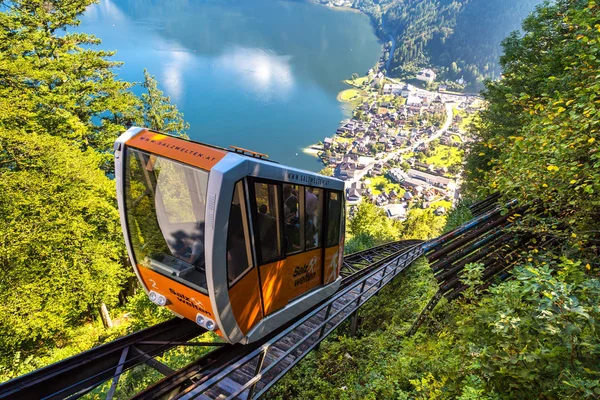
point(459, 38)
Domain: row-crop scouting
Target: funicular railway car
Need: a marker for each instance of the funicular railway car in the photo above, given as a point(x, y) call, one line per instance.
point(226, 238)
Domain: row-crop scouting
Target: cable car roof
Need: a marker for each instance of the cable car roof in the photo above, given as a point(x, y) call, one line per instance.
point(187, 151)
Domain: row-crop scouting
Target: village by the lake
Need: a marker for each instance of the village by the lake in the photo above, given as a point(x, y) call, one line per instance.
point(404, 145)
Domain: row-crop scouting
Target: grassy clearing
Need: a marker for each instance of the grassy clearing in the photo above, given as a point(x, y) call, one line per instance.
point(467, 119)
point(350, 95)
point(445, 156)
point(378, 183)
point(340, 139)
point(441, 203)
point(359, 82)
point(456, 139)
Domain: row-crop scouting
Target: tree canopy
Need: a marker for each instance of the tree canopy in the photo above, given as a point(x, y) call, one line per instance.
point(51, 81)
point(539, 134)
point(61, 249)
point(460, 38)
point(61, 108)
point(157, 111)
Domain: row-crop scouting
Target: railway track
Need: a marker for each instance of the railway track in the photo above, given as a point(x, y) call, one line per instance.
point(486, 240)
point(365, 273)
point(82, 372)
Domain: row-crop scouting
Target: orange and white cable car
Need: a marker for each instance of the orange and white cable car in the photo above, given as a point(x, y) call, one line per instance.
point(227, 239)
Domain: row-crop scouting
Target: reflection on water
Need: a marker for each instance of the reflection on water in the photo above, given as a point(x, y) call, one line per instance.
point(260, 74)
point(105, 10)
point(172, 80)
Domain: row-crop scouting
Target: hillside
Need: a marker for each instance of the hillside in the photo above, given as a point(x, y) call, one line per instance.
point(535, 335)
point(459, 38)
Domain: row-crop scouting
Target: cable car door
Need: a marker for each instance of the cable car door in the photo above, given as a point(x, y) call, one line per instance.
point(287, 240)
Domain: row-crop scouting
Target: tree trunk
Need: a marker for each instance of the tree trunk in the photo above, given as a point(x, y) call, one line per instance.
point(105, 316)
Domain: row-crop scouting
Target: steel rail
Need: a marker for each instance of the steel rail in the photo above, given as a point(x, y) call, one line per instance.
point(473, 234)
point(85, 370)
point(484, 239)
point(490, 239)
point(444, 275)
point(478, 204)
point(449, 236)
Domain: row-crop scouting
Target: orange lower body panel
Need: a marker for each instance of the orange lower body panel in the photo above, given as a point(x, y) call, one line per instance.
point(287, 279)
point(332, 264)
point(244, 297)
point(183, 300)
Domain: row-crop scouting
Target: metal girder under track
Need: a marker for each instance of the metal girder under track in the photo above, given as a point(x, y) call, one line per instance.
point(85, 370)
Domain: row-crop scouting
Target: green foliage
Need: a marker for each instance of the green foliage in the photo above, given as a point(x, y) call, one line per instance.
point(539, 135)
point(73, 340)
point(460, 38)
point(158, 113)
point(53, 82)
point(444, 156)
point(360, 242)
point(532, 337)
point(61, 247)
point(471, 276)
point(371, 221)
point(537, 334)
point(422, 224)
point(458, 216)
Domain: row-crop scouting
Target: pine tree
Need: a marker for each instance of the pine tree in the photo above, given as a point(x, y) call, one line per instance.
point(61, 246)
point(54, 82)
point(158, 113)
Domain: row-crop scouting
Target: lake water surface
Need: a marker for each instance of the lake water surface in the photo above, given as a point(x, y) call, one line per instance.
point(260, 74)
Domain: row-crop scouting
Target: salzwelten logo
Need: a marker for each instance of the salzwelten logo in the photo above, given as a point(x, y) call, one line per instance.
point(305, 273)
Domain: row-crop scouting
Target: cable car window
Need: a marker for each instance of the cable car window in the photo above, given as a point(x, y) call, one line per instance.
point(334, 214)
point(313, 203)
point(267, 222)
point(292, 220)
point(238, 245)
point(165, 206)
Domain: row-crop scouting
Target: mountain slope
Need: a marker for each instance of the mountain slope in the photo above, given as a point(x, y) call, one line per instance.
point(459, 38)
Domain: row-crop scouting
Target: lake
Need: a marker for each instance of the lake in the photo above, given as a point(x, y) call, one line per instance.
point(258, 74)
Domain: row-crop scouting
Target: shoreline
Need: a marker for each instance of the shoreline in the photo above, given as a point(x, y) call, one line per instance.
point(340, 8)
point(311, 151)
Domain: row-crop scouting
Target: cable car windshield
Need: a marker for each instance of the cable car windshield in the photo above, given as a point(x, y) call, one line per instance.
point(165, 206)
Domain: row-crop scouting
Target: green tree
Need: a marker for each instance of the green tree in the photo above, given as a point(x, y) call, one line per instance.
point(54, 82)
point(158, 113)
point(421, 224)
point(372, 221)
point(539, 136)
point(61, 248)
